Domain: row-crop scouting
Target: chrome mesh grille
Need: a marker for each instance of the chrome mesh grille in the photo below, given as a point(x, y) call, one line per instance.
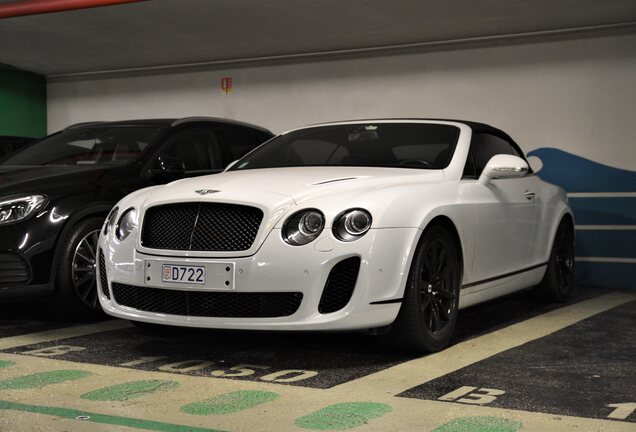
point(201, 227)
point(208, 304)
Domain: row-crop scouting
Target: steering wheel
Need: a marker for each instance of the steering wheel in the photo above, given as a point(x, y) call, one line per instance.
point(415, 162)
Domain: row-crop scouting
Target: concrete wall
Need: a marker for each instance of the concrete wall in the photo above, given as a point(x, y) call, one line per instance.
point(577, 96)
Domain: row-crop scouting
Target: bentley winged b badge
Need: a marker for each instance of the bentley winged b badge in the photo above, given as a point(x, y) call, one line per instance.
point(206, 191)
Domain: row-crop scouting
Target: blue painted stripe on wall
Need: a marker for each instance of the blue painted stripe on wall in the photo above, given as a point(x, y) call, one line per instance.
point(604, 211)
point(606, 275)
point(577, 174)
point(616, 244)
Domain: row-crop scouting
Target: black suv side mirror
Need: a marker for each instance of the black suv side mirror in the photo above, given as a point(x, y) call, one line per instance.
point(169, 167)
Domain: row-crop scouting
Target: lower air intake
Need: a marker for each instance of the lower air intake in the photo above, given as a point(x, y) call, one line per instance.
point(208, 304)
point(14, 271)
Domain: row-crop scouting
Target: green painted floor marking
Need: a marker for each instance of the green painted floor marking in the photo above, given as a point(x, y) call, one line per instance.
point(480, 424)
point(6, 363)
point(343, 416)
point(101, 418)
point(228, 403)
point(129, 390)
point(42, 379)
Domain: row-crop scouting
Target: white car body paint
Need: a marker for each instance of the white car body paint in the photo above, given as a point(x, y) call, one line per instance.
point(502, 232)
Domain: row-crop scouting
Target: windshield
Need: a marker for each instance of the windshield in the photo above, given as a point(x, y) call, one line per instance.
point(108, 145)
point(403, 145)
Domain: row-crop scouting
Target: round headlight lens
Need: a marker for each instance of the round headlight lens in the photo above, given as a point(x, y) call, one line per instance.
point(303, 227)
point(110, 220)
point(357, 222)
point(127, 222)
point(311, 223)
point(352, 224)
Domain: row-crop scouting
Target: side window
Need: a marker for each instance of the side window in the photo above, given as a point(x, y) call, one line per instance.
point(199, 149)
point(484, 146)
point(241, 141)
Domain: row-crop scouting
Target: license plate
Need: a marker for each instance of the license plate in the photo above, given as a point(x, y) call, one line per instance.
point(186, 274)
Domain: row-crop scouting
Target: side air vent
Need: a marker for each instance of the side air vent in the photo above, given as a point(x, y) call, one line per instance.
point(103, 279)
point(340, 284)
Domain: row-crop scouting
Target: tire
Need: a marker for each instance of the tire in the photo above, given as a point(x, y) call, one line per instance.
point(427, 318)
point(75, 293)
point(558, 281)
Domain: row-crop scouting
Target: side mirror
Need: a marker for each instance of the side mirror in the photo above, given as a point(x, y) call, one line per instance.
point(230, 165)
point(502, 167)
point(169, 166)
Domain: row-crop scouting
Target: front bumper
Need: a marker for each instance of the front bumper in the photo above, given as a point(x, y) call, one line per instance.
point(26, 255)
point(278, 267)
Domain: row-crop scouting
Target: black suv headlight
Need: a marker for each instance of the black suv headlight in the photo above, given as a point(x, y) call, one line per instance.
point(303, 227)
point(16, 209)
point(352, 224)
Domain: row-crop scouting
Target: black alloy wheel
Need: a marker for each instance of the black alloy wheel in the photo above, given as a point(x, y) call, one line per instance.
point(75, 294)
point(436, 286)
point(558, 281)
point(427, 318)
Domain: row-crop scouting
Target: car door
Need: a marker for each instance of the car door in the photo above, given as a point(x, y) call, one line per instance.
point(506, 213)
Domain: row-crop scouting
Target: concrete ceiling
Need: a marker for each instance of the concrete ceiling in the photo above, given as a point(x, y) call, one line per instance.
point(160, 33)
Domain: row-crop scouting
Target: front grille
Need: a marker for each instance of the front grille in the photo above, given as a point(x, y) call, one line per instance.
point(14, 271)
point(339, 287)
point(103, 279)
point(208, 304)
point(201, 227)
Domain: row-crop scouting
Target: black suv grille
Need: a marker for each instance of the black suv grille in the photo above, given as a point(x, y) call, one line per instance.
point(14, 271)
point(208, 304)
point(103, 279)
point(339, 287)
point(201, 227)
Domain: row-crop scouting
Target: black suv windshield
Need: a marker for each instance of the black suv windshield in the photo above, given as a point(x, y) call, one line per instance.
point(112, 145)
point(402, 145)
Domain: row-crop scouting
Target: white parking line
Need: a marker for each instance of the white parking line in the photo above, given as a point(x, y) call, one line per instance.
point(63, 333)
point(404, 376)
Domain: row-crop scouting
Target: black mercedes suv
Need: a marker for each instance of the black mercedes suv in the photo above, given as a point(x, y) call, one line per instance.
point(56, 193)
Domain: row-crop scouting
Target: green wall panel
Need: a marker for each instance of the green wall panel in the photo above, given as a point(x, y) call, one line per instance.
point(22, 103)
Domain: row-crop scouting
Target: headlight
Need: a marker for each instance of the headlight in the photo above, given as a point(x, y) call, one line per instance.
point(127, 223)
point(352, 224)
point(20, 208)
point(110, 220)
point(303, 227)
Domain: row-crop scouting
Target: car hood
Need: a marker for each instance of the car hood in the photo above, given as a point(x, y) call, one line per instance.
point(297, 183)
point(277, 190)
point(61, 180)
point(47, 179)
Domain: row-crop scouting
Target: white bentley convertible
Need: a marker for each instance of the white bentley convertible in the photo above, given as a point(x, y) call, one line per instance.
point(375, 224)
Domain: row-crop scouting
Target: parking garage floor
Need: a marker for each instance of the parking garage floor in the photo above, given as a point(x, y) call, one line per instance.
point(516, 365)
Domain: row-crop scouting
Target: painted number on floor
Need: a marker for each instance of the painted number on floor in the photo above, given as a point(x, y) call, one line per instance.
point(472, 395)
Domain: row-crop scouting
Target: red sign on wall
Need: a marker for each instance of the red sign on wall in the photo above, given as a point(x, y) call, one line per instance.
point(226, 85)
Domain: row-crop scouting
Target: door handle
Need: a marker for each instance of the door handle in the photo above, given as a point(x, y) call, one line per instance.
point(529, 195)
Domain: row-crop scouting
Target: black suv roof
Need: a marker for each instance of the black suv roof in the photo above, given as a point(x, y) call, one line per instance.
point(167, 122)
